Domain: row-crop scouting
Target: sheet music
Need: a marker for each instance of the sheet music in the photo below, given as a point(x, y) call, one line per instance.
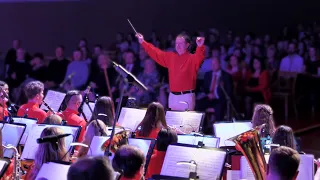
point(131, 118)
point(53, 171)
point(193, 140)
point(11, 134)
point(228, 130)
point(245, 170)
point(31, 144)
point(210, 162)
point(189, 120)
point(233, 175)
point(1, 125)
point(54, 99)
point(30, 123)
point(95, 146)
point(142, 144)
point(87, 111)
point(306, 167)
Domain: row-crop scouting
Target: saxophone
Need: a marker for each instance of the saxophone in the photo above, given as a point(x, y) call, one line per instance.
point(17, 164)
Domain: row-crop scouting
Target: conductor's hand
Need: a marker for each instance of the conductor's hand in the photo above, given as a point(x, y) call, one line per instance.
point(140, 37)
point(200, 41)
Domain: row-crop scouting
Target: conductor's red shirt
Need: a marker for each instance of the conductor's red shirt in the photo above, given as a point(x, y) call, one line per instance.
point(32, 110)
point(72, 118)
point(183, 69)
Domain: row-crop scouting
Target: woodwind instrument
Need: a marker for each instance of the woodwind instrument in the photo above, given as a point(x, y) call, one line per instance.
point(17, 163)
point(49, 108)
point(107, 82)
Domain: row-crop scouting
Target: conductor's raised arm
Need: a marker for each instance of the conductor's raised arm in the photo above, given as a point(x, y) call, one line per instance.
point(200, 51)
point(155, 53)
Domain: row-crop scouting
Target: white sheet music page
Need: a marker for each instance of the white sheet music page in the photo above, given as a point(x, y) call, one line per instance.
point(209, 141)
point(185, 139)
point(29, 123)
point(87, 111)
point(54, 99)
point(210, 162)
point(306, 167)
point(53, 171)
point(95, 146)
point(2, 164)
point(228, 130)
point(142, 144)
point(233, 175)
point(31, 144)
point(11, 134)
point(189, 120)
point(245, 170)
point(131, 118)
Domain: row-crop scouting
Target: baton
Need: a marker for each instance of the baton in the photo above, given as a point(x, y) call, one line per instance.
point(132, 27)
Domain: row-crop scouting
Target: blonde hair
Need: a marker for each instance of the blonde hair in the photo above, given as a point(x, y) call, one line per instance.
point(53, 119)
point(47, 152)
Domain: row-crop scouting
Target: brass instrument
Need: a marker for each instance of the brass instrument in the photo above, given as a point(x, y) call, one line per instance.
point(17, 163)
point(250, 145)
point(119, 139)
point(49, 108)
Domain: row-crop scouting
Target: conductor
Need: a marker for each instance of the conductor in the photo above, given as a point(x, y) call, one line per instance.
point(183, 68)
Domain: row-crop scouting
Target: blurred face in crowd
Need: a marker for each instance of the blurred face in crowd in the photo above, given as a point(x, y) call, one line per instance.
point(256, 51)
point(97, 51)
point(15, 44)
point(181, 45)
point(129, 58)
point(77, 55)
point(149, 66)
point(215, 53)
point(215, 64)
point(223, 50)
point(256, 64)
point(82, 43)
point(233, 61)
point(280, 45)
point(20, 54)
point(103, 61)
point(84, 51)
point(142, 54)
point(247, 38)
point(312, 52)
point(36, 61)
point(59, 53)
point(212, 38)
point(124, 46)
point(271, 52)
point(237, 53)
point(258, 41)
point(119, 37)
point(291, 48)
point(267, 38)
point(248, 50)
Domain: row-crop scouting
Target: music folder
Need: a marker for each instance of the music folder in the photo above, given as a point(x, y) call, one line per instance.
point(54, 99)
point(31, 144)
point(187, 121)
point(11, 135)
point(210, 161)
point(29, 122)
point(226, 130)
point(54, 171)
point(131, 117)
point(208, 141)
point(4, 164)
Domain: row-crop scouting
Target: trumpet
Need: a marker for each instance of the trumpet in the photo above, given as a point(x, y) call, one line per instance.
point(250, 145)
point(49, 108)
point(17, 163)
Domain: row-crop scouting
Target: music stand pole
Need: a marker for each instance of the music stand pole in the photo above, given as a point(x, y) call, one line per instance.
point(229, 104)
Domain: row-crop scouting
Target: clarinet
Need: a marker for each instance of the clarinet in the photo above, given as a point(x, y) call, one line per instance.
point(17, 163)
point(49, 108)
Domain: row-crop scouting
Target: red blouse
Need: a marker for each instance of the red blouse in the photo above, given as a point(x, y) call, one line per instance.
point(155, 164)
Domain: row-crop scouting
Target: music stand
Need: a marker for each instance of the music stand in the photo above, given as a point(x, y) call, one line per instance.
point(31, 144)
point(54, 99)
point(207, 141)
point(54, 170)
point(192, 120)
point(210, 161)
point(86, 110)
point(131, 117)
point(12, 134)
point(29, 122)
point(4, 164)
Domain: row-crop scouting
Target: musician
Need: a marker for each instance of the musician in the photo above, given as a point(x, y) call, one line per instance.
point(95, 128)
point(104, 106)
point(129, 161)
point(73, 101)
point(164, 139)
point(212, 93)
point(91, 168)
point(98, 81)
point(47, 152)
point(34, 92)
point(3, 100)
point(263, 114)
point(284, 137)
point(283, 164)
point(183, 68)
point(53, 119)
point(153, 122)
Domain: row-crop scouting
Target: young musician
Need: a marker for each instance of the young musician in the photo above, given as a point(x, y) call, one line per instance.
point(73, 101)
point(3, 100)
point(53, 119)
point(183, 68)
point(284, 137)
point(34, 93)
point(104, 105)
point(47, 152)
point(164, 139)
point(94, 129)
point(129, 161)
point(263, 115)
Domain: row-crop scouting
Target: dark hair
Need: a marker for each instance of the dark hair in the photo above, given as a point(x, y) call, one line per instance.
point(284, 137)
point(69, 95)
point(166, 137)
point(185, 37)
point(104, 105)
point(61, 46)
point(284, 162)
point(78, 50)
point(128, 160)
point(38, 55)
point(154, 114)
point(261, 61)
point(91, 168)
point(33, 88)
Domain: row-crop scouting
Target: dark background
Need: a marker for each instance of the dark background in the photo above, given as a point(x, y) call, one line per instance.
point(43, 25)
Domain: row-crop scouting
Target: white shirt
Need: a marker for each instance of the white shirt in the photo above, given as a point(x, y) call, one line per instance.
point(293, 63)
point(218, 74)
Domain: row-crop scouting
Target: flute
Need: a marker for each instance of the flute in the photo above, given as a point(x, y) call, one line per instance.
point(49, 108)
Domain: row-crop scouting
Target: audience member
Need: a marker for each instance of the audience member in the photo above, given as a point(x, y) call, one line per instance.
point(39, 69)
point(293, 62)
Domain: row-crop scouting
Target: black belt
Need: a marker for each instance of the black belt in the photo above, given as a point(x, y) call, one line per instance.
point(183, 92)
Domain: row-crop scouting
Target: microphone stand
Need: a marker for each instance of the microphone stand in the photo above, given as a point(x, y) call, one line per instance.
point(229, 104)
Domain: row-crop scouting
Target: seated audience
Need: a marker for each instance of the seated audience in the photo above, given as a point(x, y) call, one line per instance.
point(130, 63)
point(3, 100)
point(34, 92)
point(312, 63)
point(73, 101)
point(104, 110)
point(284, 137)
point(47, 152)
point(234, 69)
point(283, 164)
point(293, 62)
point(257, 86)
point(129, 161)
point(263, 116)
point(164, 139)
point(95, 128)
point(91, 168)
point(53, 119)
